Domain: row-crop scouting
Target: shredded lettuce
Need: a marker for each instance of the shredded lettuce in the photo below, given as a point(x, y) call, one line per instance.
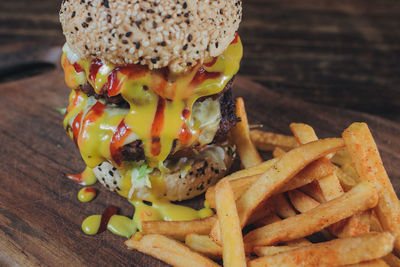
point(140, 177)
point(61, 110)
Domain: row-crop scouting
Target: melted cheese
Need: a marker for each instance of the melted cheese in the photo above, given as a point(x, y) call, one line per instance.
point(157, 100)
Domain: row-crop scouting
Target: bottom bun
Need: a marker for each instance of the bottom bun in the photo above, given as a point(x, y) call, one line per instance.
point(186, 178)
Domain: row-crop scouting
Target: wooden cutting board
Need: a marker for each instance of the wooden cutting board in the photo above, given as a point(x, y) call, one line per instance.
point(40, 216)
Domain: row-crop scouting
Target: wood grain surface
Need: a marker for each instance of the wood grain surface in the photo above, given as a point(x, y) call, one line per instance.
point(40, 215)
point(342, 53)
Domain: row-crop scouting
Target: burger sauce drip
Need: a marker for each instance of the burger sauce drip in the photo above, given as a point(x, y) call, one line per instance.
point(157, 126)
point(95, 112)
point(202, 75)
point(95, 65)
point(87, 177)
point(185, 134)
point(132, 72)
point(117, 141)
point(77, 67)
point(76, 126)
point(236, 39)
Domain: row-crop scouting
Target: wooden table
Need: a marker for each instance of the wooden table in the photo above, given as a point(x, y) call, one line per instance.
point(343, 53)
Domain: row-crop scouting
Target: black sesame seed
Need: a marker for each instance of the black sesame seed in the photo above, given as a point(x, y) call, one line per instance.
point(216, 171)
point(186, 14)
point(108, 18)
point(99, 168)
point(118, 188)
point(124, 41)
point(189, 64)
point(163, 43)
point(189, 38)
point(76, 28)
point(140, 58)
point(86, 47)
point(137, 45)
point(150, 11)
point(185, 47)
point(73, 14)
point(114, 169)
point(168, 16)
point(115, 182)
point(145, 87)
point(138, 22)
point(184, 5)
point(216, 44)
point(154, 24)
point(103, 179)
point(128, 34)
point(88, 19)
point(84, 25)
point(187, 21)
point(111, 173)
point(190, 173)
point(153, 60)
point(221, 11)
point(148, 203)
point(105, 3)
point(107, 186)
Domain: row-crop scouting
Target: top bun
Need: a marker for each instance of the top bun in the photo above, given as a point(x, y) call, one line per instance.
point(156, 33)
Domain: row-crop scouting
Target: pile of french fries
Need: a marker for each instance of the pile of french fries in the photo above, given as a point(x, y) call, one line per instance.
point(332, 191)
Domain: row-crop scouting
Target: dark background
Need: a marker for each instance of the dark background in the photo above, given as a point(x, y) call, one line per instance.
point(338, 53)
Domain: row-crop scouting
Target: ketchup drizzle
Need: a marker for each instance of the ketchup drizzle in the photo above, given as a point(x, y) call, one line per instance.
point(202, 75)
point(157, 126)
point(94, 67)
point(117, 141)
point(75, 177)
point(77, 67)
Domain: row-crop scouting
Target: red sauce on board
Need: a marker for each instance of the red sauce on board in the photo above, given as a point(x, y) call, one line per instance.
point(117, 141)
point(105, 218)
point(157, 126)
point(78, 178)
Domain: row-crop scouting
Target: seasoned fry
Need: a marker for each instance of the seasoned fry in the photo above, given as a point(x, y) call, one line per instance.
point(167, 250)
point(346, 181)
point(241, 137)
point(365, 156)
point(329, 188)
point(271, 250)
point(350, 250)
point(361, 197)
point(285, 168)
point(301, 201)
point(371, 263)
point(204, 245)
point(314, 171)
point(179, 229)
point(283, 208)
point(392, 260)
point(267, 141)
point(278, 152)
point(231, 232)
point(330, 185)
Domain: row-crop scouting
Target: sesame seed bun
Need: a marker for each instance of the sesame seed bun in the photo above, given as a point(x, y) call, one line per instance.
point(204, 172)
point(156, 33)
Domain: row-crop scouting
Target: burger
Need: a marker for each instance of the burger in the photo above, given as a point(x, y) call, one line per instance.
point(151, 105)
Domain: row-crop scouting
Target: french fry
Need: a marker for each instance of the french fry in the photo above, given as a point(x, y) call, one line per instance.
point(167, 250)
point(346, 181)
point(371, 263)
point(204, 245)
point(231, 232)
point(344, 251)
point(368, 163)
point(330, 187)
point(360, 198)
point(271, 250)
point(241, 137)
point(267, 141)
point(301, 201)
point(278, 152)
point(392, 260)
point(283, 208)
point(314, 171)
point(283, 170)
point(179, 229)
